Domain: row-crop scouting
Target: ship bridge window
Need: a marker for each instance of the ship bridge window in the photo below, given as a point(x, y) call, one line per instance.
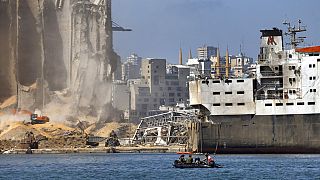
point(229, 92)
point(241, 104)
point(312, 78)
point(292, 67)
point(300, 103)
point(228, 104)
point(279, 104)
point(216, 104)
point(313, 90)
point(290, 55)
point(216, 81)
point(289, 104)
point(216, 93)
point(240, 92)
point(228, 81)
point(311, 103)
point(312, 65)
point(240, 80)
point(268, 104)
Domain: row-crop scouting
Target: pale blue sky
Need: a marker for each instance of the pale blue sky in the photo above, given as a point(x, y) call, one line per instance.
point(161, 26)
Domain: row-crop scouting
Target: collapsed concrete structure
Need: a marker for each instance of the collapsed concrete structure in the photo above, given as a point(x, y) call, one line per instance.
point(63, 46)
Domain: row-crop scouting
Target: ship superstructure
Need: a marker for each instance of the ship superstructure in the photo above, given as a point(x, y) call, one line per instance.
point(276, 111)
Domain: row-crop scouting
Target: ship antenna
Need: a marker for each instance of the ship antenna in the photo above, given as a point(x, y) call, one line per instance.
point(292, 32)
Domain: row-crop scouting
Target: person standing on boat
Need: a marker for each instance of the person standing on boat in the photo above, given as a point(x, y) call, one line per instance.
point(209, 160)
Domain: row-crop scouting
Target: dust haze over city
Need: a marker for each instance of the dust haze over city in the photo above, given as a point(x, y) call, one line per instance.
point(161, 27)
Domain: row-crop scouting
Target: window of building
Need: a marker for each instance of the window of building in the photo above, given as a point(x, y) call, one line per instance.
point(311, 103)
point(171, 99)
point(240, 80)
point(179, 88)
point(169, 88)
point(216, 93)
point(216, 104)
point(279, 104)
point(161, 88)
point(229, 92)
point(292, 67)
point(241, 104)
point(144, 106)
point(155, 100)
point(171, 94)
point(228, 104)
point(268, 104)
point(179, 94)
point(175, 83)
point(289, 104)
point(300, 103)
point(240, 92)
point(146, 100)
point(292, 80)
point(156, 80)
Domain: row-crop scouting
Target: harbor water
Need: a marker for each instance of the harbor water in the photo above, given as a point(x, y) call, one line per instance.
point(155, 166)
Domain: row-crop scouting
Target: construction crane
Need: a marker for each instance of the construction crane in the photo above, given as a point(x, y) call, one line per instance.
point(117, 27)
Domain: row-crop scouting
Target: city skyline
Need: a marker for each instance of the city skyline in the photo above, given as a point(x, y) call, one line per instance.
point(160, 28)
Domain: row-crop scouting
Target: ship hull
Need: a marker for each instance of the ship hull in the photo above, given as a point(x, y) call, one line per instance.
point(257, 134)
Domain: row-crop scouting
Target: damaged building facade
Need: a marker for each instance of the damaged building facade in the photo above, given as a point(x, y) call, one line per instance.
point(54, 47)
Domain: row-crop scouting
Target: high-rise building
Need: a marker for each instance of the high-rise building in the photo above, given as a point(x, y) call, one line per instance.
point(206, 52)
point(131, 68)
point(160, 85)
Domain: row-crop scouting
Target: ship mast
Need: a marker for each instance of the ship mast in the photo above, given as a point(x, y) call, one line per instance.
point(292, 32)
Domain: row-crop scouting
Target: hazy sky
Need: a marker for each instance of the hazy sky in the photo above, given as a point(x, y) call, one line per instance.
point(160, 27)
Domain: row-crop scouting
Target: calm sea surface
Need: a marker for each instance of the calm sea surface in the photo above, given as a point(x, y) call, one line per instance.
point(155, 166)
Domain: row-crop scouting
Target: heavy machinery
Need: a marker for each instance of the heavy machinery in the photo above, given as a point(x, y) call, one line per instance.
point(38, 119)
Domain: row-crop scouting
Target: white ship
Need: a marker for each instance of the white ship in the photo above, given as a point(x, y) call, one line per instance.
point(278, 111)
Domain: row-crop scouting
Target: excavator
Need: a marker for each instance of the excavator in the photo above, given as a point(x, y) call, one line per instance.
point(38, 118)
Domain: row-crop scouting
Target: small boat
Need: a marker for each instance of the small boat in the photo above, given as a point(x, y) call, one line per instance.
point(178, 164)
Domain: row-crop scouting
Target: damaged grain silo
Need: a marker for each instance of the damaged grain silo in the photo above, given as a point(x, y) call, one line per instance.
point(54, 46)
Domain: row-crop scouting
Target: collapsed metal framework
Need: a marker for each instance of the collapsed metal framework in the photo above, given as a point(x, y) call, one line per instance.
point(164, 129)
